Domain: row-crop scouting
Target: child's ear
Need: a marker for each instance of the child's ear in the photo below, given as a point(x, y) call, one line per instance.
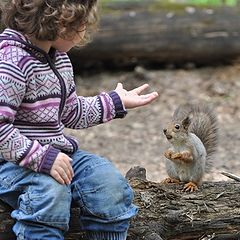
point(186, 122)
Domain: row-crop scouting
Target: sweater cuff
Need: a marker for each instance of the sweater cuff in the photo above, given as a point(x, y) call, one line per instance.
point(120, 111)
point(48, 160)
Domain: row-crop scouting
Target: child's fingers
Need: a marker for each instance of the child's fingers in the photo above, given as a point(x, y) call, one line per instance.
point(57, 177)
point(152, 95)
point(62, 173)
point(141, 88)
point(67, 167)
point(119, 86)
point(146, 99)
point(64, 176)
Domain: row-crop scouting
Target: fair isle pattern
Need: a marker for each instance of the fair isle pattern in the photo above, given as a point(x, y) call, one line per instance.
point(11, 54)
point(38, 115)
point(68, 76)
point(13, 145)
point(12, 87)
point(43, 85)
point(90, 106)
point(36, 103)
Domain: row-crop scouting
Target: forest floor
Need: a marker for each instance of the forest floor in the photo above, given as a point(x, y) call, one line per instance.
point(138, 139)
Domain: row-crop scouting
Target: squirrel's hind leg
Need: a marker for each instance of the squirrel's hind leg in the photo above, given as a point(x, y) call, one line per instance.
point(190, 187)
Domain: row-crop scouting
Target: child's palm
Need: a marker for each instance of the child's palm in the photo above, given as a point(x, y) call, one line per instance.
point(133, 98)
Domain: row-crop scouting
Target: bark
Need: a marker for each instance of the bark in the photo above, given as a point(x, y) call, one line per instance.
point(165, 212)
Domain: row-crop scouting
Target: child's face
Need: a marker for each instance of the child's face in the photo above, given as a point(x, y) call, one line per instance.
point(65, 45)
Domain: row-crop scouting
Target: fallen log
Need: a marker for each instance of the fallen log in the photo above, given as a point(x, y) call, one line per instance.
point(161, 32)
point(165, 212)
point(175, 34)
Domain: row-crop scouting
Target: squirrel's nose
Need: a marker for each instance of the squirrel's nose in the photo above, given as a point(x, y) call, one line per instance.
point(165, 130)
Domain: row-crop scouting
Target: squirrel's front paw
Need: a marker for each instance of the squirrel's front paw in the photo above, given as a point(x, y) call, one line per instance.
point(168, 154)
point(183, 156)
point(178, 156)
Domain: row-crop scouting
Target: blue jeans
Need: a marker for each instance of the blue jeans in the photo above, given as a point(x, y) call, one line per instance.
point(42, 205)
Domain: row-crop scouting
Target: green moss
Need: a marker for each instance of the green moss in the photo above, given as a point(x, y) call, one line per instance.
point(155, 5)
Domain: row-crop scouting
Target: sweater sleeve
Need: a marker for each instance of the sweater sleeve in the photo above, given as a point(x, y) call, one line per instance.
point(14, 146)
point(83, 112)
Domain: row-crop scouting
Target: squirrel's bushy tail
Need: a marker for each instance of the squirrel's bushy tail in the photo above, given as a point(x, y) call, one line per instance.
point(203, 124)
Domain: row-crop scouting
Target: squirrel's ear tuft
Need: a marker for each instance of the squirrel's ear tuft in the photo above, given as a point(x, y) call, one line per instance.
point(186, 122)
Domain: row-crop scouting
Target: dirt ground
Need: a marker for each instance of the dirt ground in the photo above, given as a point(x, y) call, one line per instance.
point(138, 139)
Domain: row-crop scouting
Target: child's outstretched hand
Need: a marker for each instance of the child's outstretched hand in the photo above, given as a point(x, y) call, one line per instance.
point(133, 98)
point(61, 169)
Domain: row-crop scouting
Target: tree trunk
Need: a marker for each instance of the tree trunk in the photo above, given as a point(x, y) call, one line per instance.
point(165, 212)
point(168, 34)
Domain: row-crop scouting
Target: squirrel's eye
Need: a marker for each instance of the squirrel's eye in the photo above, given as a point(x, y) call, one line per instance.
point(177, 126)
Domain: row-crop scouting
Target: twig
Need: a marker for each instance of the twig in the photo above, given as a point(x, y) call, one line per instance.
point(232, 176)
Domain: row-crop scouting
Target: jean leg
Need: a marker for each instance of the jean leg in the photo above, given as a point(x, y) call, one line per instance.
point(42, 205)
point(104, 196)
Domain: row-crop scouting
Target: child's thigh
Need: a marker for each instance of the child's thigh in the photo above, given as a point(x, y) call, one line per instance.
point(13, 177)
point(39, 187)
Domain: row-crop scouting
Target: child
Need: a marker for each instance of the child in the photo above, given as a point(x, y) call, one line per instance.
point(41, 169)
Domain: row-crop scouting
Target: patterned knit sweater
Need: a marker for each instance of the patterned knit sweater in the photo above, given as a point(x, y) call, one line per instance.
point(38, 100)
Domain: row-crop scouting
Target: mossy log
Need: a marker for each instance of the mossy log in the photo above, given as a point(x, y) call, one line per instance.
point(167, 213)
point(167, 34)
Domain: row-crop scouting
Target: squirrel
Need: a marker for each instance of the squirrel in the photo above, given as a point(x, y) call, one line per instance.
point(193, 134)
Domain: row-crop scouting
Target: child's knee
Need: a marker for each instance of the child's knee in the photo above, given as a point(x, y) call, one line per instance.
point(104, 193)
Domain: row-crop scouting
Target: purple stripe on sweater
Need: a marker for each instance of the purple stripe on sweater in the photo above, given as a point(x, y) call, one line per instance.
point(71, 97)
point(5, 127)
point(7, 130)
point(36, 124)
point(5, 138)
point(41, 98)
point(6, 113)
point(63, 66)
point(47, 126)
point(71, 117)
point(35, 133)
point(40, 105)
point(46, 70)
point(9, 67)
point(8, 107)
point(13, 32)
point(39, 68)
point(40, 135)
point(8, 74)
point(24, 60)
point(106, 108)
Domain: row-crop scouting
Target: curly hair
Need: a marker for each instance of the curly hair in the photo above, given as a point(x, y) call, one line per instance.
point(47, 20)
